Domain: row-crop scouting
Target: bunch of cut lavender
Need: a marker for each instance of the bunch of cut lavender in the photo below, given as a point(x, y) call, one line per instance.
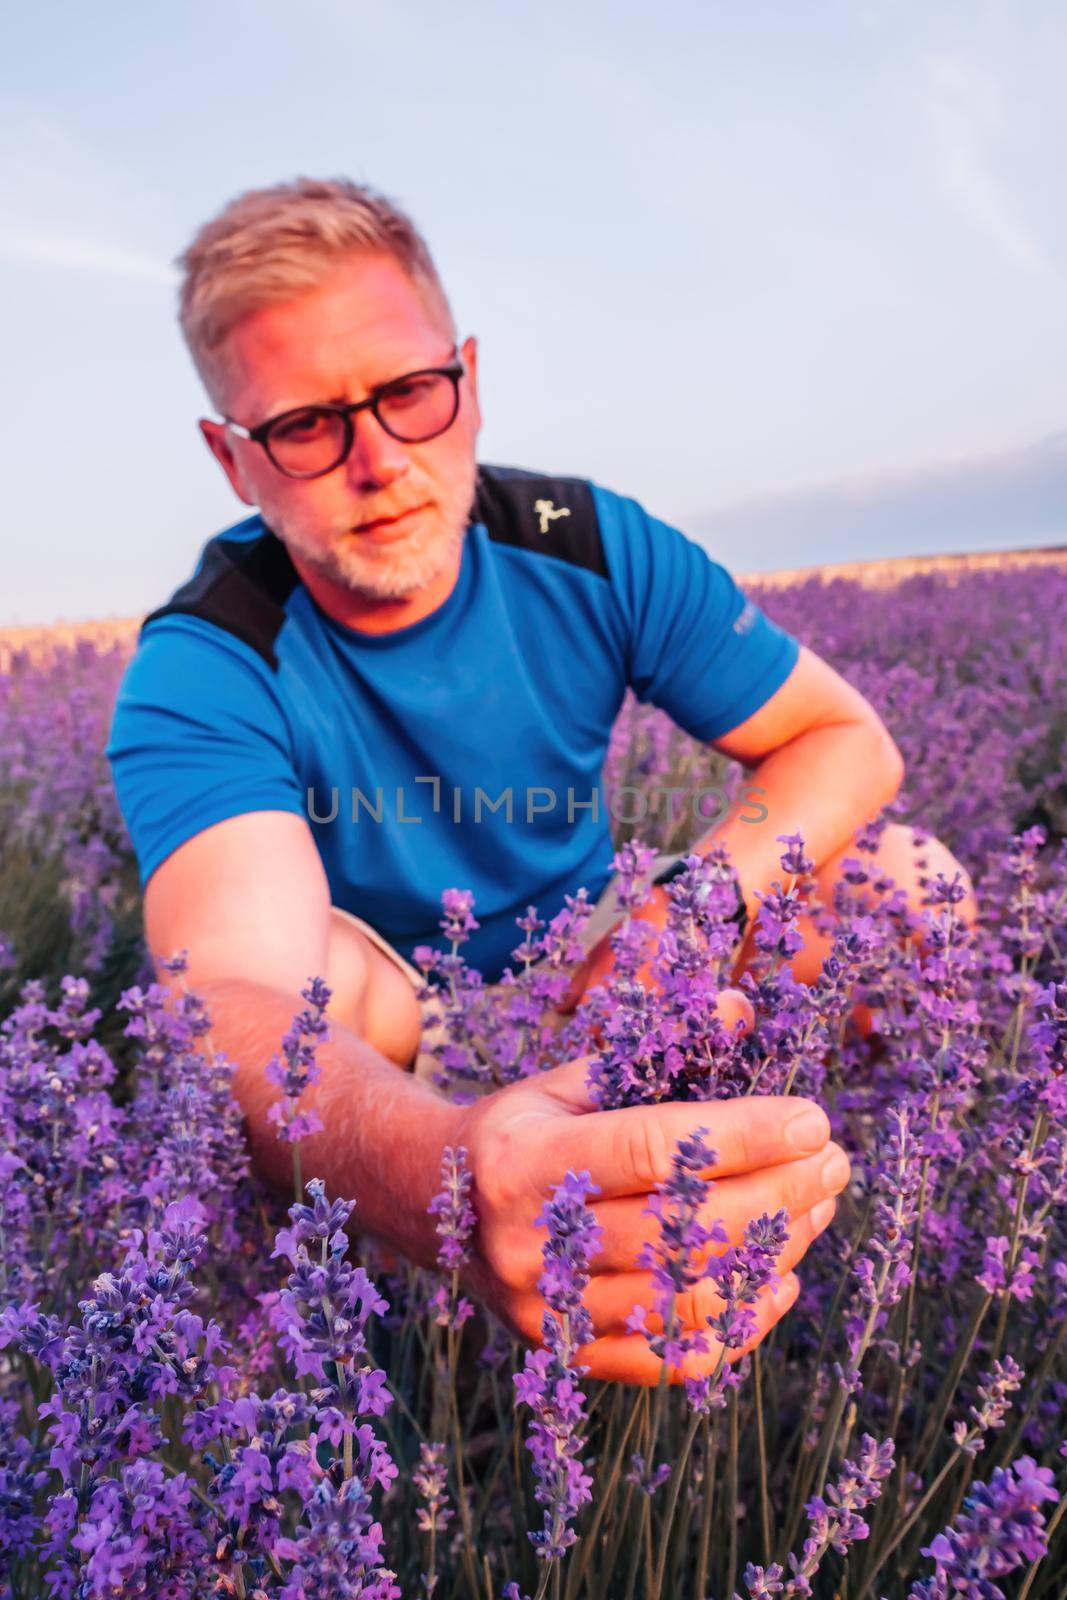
point(659, 1042)
point(654, 1044)
point(482, 1041)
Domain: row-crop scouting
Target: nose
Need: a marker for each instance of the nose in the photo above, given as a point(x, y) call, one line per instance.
point(376, 459)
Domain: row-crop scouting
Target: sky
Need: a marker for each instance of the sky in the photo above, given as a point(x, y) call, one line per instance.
point(793, 276)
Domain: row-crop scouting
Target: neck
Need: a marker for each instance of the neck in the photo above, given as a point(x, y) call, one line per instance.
point(366, 614)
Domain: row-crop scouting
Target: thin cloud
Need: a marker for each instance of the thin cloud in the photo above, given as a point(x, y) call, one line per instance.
point(25, 245)
point(966, 113)
point(1001, 500)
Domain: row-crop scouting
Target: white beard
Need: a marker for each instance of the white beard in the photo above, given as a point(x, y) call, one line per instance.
point(399, 569)
point(389, 572)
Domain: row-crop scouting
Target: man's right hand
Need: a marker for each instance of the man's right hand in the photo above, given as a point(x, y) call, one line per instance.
point(773, 1152)
point(248, 898)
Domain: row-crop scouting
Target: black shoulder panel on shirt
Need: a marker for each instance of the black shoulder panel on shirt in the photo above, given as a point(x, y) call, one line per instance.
point(242, 586)
point(556, 516)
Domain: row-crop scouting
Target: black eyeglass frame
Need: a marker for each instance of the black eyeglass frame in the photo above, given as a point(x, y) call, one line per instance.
point(260, 434)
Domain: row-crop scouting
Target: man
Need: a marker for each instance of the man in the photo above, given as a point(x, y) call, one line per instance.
point(398, 620)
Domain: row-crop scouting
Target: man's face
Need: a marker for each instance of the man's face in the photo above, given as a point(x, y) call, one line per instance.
point(363, 326)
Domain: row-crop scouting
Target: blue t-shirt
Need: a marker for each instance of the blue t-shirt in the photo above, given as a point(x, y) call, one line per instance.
point(462, 751)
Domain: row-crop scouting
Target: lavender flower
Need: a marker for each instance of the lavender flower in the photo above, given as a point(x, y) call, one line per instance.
point(458, 922)
point(297, 1068)
point(22, 1477)
point(322, 1314)
point(1049, 1036)
point(793, 860)
point(633, 866)
point(142, 1533)
point(430, 1480)
point(676, 1260)
point(741, 1274)
point(337, 1553)
point(456, 1222)
point(1000, 1527)
point(834, 1522)
point(561, 943)
point(152, 1441)
point(776, 935)
point(883, 1269)
point(549, 1381)
point(994, 1389)
point(761, 1582)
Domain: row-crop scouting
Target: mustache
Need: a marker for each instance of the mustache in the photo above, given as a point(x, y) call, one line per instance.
point(385, 516)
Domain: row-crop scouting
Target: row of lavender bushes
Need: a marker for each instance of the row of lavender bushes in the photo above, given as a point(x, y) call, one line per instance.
point(203, 1392)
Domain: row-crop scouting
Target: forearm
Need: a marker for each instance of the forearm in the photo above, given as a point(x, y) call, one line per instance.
point(383, 1130)
point(824, 784)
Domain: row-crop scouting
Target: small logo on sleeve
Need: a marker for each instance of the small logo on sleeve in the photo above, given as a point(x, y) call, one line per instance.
point(548, 513)
point(746, 617)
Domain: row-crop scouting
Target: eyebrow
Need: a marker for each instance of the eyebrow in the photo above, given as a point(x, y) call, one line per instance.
point(343, 400)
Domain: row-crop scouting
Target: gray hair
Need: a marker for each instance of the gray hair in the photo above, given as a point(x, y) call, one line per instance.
point(268, 245)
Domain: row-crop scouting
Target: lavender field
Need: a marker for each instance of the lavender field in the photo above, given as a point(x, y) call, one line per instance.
point(207, 1390)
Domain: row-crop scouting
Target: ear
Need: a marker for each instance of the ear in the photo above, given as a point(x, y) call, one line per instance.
point(219, 441)
point(469, 351)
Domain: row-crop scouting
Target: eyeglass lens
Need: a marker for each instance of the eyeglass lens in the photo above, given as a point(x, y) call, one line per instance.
point(315, 440)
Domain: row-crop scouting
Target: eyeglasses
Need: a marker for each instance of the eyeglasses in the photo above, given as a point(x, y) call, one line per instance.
point(310, 441)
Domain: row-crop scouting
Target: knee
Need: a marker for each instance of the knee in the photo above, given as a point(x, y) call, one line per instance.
point(912, 858)
point(371, 995)
point(392, 1016)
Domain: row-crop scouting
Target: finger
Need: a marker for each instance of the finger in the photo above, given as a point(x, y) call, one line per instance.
point(577, 985)
point(626, 1358)
point(611, 1297)
point(788, 1294)
point(794, 1186)
point(735, 1011)
point(629, 1151)
point(567, 1086)
point(734, 1008)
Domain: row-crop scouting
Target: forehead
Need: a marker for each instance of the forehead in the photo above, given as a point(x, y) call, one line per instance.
point(363, 325)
